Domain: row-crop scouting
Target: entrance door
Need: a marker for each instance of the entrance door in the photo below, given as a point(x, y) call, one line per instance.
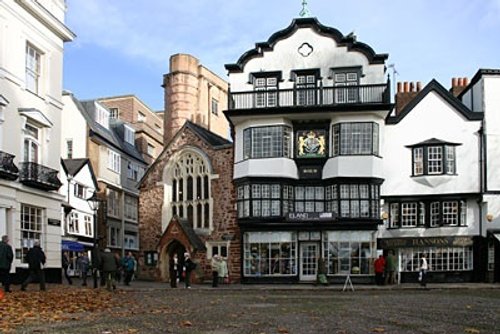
point(309, 252)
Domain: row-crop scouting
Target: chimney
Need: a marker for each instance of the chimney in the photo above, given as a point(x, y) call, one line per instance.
point(406, 91)
point(458, 85)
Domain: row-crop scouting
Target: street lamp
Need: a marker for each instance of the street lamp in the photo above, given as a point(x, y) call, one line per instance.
point(94, 203)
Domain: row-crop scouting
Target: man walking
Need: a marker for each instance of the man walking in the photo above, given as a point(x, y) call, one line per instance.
point(6, 257)
point(128, 265)
point(36, 261)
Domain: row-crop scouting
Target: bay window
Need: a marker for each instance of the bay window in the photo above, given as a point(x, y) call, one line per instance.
point(361, 138)
point(267, 142)
point(433, 157)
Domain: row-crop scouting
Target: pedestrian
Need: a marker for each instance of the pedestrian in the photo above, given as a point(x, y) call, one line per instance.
point(128, 265)
point(83, 265)
point(189, 266)
point(390, 268)
point(6, 258)
point(216, 269)
point(36, 260)
point(65, 260)
point(110, 266)
point(96, 264)
point(119, 270)
point(173, 268)
point(224, 270)
point(321, 278)
point(424, 268)
point(379, 265)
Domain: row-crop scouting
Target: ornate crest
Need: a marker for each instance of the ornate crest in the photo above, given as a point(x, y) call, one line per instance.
point(311, 144)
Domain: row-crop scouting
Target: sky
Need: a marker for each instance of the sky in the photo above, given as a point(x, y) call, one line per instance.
point(123, 46)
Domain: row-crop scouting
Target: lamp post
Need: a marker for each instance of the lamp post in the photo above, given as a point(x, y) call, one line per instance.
point(94, 203)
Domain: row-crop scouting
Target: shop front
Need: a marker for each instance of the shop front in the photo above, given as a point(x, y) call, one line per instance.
point(450, 258)
point(292, 256)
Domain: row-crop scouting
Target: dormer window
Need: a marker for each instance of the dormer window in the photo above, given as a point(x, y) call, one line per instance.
point(102, 116)
point(129, 134)
point(305, 86)
point(433, 157)
point(266, 84)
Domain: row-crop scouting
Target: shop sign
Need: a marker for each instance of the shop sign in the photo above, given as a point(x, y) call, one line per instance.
point(310, 216)
point(54, 222)
point(425, 242)
point(310, 172)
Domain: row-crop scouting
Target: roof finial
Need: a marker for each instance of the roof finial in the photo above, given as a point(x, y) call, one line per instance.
point(305, 11)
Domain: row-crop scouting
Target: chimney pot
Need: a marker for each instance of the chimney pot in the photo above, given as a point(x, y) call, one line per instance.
point(406, 88)
point(454, 82)
point(419, 86)
point(460, 82)
point(412, 86)
point(400, 87)
point(466, 81)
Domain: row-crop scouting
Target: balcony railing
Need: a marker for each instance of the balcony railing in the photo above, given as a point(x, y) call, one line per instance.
point(8, 169)
point(317, 96)
point(38, 176)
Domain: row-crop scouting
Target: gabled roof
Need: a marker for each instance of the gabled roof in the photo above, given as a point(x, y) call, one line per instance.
point(436, 87)
point(193, 238)
point(209, 137)
point(212, 139)
point(433, 141)
point(479, 74)
point(73, 167)
point(348, 41)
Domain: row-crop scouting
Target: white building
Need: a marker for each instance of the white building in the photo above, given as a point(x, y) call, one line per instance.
point(78, 184)
point(308, 109)
point(31, 64)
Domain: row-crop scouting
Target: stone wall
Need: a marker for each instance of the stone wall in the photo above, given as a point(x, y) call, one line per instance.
point(224, 213)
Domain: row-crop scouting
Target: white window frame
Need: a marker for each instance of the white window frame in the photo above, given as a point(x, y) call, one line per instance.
point(114, 161)
point(113, 112)
point(409, 214)
point(129, 135)
point(113, 200)
point(80, 191)
point(89, 227)
point(32, 223)
point(31, 143)
point(131, 208)
point(33, 68)
point(102, 115)
point(74, 222)
point(219, 245)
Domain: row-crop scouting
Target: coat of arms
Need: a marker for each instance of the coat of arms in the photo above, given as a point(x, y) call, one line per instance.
point(311, 144)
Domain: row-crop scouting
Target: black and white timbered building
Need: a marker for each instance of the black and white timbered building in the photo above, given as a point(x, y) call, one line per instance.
point(308, 109)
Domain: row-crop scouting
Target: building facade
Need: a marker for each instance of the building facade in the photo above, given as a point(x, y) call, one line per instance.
point(31, 64)
point(193, 93)
point(109, 144)
point(308, 111)
point(147, 124)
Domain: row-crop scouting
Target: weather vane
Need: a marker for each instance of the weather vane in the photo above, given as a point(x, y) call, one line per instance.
point(305, 11)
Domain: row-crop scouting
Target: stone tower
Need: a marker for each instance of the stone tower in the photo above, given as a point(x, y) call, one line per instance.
point(194, 93)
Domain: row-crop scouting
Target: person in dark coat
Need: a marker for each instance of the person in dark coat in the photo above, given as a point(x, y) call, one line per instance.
point(65, 265)
point(6, 258)
point(36, 260)
point(96, 264)
point(83, 264)
point(110, 265)
point(189, 266)
point(128, 265)
point(173, 268)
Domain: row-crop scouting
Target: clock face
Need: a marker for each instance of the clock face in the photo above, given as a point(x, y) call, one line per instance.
point(311, 144)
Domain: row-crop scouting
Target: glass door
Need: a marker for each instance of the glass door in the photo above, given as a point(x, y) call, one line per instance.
point(309, 252)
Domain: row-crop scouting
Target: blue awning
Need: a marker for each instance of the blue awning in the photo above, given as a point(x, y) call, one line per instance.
point(72, 246)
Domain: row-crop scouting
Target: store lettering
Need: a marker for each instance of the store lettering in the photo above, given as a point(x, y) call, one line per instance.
point(430, 242)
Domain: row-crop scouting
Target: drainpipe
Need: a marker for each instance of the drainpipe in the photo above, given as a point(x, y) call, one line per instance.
point(209, 114)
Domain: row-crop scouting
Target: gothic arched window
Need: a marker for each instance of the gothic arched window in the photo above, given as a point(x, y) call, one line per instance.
point(191, 194)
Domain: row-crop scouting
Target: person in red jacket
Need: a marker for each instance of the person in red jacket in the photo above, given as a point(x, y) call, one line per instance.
point(379, 270)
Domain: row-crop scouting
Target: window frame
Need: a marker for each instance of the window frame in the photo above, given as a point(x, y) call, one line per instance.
point(114, 161)
point(434, 159)
point(31, 230)
point(33, 68)
point(346, 139)
point(259, 144)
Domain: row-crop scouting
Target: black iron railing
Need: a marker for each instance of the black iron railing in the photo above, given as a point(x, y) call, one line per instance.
point(39, 176)
point(8, 170)
point(317, 96)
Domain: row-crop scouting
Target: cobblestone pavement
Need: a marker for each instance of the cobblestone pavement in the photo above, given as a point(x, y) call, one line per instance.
point(257, 309)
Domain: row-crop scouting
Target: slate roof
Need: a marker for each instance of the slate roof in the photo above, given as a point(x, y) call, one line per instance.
point(110, 136)
point(193, 238)
point(73, 166)
point(211, 138)
point(433, 141)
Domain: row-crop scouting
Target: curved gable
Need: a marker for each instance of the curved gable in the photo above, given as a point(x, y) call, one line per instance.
point(341, 40)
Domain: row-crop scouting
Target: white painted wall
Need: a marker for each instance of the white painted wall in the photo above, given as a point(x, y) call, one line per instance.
point(491, 86)
point(75, 128)
point(326, 54)
point(433, 117)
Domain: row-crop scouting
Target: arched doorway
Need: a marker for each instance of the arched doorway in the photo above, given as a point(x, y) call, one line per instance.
point(174, 247)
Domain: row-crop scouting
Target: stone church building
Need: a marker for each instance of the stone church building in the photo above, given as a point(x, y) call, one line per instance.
point(187, 196)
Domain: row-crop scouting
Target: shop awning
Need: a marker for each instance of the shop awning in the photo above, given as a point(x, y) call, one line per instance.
point(72, 246)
